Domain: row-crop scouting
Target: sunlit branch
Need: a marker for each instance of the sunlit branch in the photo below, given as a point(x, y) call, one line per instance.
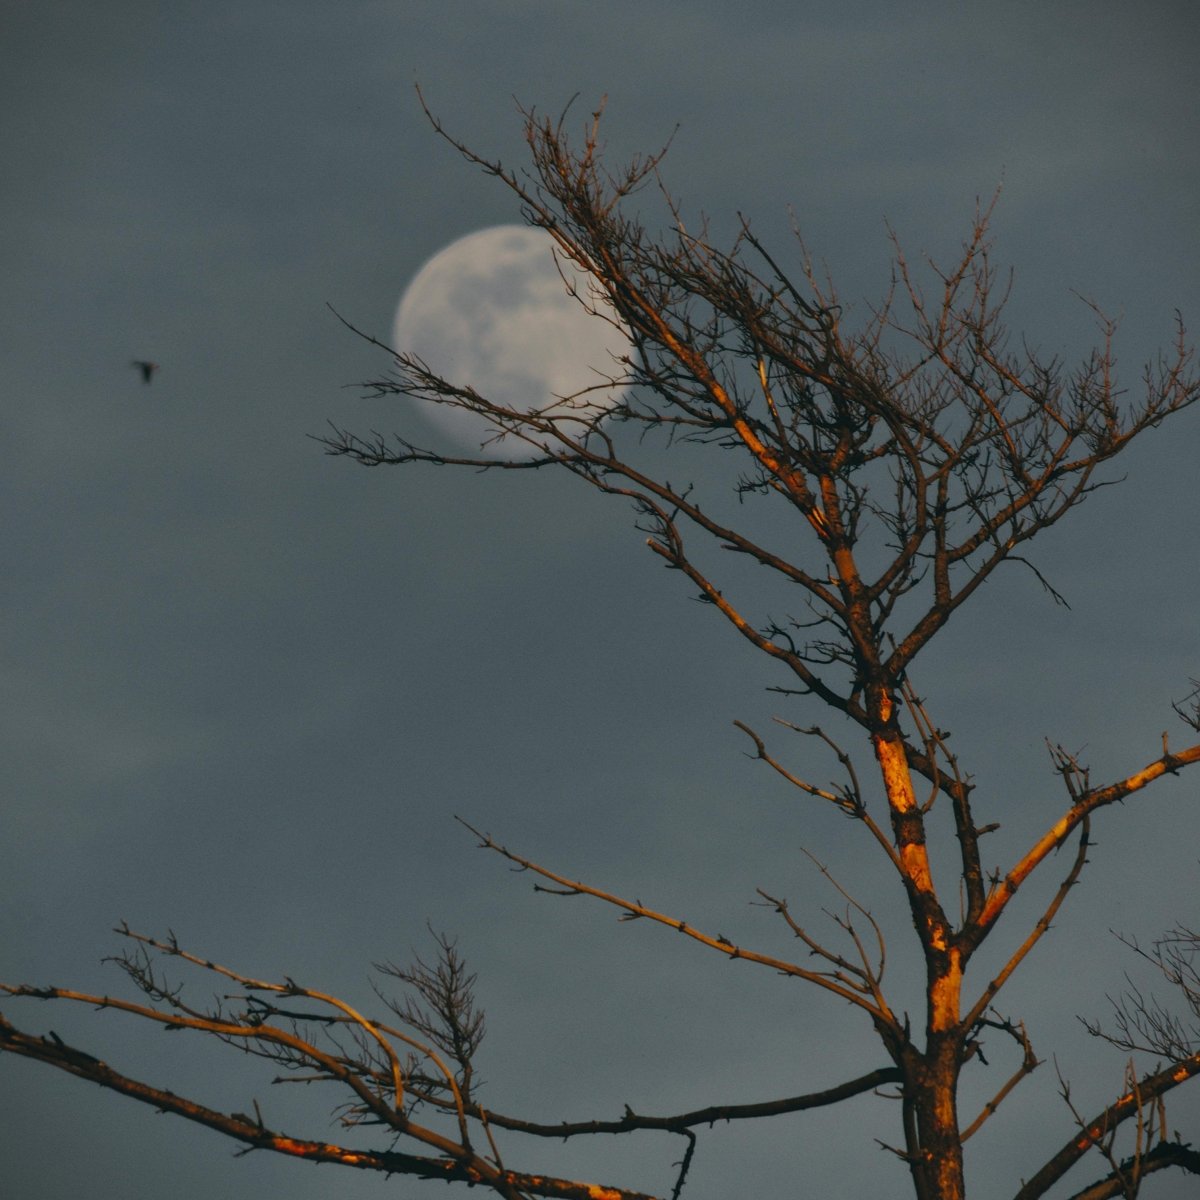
point(1035, 934)
point(1029, 1064)
point(76, 1062)
point(374, 1030)
point(458, 1165)
point(1149, 1087)
point(1000, 895)
point(331, 1066)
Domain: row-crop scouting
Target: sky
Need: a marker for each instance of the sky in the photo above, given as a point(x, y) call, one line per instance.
point(248, 687)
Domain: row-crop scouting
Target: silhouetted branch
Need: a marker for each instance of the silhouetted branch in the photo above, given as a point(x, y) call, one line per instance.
point(1158, 1158)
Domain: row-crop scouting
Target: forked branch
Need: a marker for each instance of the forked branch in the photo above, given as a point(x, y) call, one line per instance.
point(634, 910)
point(1087, 802)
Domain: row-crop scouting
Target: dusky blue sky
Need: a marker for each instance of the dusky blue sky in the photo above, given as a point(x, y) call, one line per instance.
point(246, 687)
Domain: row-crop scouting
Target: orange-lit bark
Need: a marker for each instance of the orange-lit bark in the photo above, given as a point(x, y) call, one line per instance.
point(1149, 1087)
point(906, 817)
point(464, 1166)
point(931, 1077)
point(936, 1105)
point(1061, 829)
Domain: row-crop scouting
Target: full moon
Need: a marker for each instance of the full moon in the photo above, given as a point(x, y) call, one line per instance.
point(491, 311)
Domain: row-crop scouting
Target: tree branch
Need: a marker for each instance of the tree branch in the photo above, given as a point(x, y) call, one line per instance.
point(1165, 1154)
point(465, 1167)
point(1148, 1088)
point(711, 1115)
point(634, 909)
point(1089, 802)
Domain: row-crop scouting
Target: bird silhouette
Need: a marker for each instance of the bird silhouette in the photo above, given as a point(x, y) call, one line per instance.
point(147, 368)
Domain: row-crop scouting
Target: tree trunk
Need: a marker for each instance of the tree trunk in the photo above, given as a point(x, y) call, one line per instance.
point(931, 1078)
point(933, 1087)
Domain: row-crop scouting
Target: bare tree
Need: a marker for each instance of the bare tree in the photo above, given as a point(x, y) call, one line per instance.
point(913, 454)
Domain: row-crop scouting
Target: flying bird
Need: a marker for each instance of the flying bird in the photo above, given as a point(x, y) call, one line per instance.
point(147, 368)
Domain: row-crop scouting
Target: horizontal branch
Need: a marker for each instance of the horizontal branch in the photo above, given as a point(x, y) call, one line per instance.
point(632, 1121)
point(468, 1168)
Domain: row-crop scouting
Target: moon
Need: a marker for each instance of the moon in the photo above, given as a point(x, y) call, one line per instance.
point(492, 311)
